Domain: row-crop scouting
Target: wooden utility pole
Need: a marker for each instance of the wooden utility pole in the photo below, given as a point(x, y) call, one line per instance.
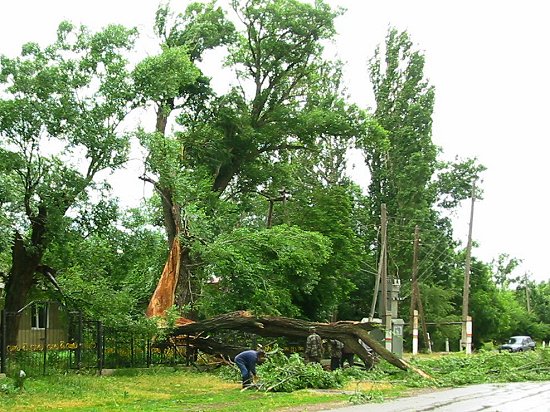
point(272, 199)
point(414, 272)
point(383, 262)
point(376, 286)
point(416, 300)
point(466, 340)
point(527, 295)
point(385, 311)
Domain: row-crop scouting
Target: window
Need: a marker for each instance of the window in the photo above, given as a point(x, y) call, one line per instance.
point(39, 316)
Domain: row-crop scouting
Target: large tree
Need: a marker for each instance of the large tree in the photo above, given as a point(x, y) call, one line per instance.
point(174, 85)
point(60, 109)
point(236, 144)
point(402, 170)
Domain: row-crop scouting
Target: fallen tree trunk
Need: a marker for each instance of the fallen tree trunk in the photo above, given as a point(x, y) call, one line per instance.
point(347, 332)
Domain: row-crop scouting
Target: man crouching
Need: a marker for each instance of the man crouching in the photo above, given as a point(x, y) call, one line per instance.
point(246, 361)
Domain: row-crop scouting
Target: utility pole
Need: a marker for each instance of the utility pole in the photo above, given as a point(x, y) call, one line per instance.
point(385, 311)
point(383, 262)
point(414, 272)
point(272, 199)
point(376, 286)
point(466, 336)
point(527, 297)
point(416, 300)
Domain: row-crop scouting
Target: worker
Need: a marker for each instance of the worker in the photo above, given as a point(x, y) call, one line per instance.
point(246, 362)
point(335, 354)
point(314, 346)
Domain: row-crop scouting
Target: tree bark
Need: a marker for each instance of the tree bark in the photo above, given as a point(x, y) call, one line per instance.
point(19, 282)
point(348, 332)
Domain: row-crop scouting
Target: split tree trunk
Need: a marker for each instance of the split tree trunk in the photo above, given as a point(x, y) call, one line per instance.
point(275, 326)
point(172, 287)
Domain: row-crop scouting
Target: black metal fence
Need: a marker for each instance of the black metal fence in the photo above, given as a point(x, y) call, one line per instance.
point(54, 339)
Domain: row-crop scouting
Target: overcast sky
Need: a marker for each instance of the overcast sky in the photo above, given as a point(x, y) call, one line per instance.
point(489, 63)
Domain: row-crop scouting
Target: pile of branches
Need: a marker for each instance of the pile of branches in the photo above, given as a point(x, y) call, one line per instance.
point(281, 373)
point(287, 374)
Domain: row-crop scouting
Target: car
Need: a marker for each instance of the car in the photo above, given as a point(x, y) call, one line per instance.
point(518, 344)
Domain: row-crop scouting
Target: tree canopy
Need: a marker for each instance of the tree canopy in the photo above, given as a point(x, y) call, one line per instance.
point(252, 181)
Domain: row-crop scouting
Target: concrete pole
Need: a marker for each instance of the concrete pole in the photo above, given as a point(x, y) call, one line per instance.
point(469, 335)
point(415, 333)
point(388, 335)
point(466, 292)
point(414, 286)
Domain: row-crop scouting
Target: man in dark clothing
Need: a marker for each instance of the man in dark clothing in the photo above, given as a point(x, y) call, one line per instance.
point(347, 355)
point(246, 362)
point(335, 354)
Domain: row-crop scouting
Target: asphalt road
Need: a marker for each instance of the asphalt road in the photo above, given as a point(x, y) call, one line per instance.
point(506, 397)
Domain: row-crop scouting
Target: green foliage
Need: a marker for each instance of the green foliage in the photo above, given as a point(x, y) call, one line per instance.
point(283, 134)
point(402, 158)
point(60, 109)
point(329, 211)
point(503, 267)
point(201, 27)
point(454, 182)
point(97, 298)
point(163, 77)
point(265, 271)
point(108, 266)
point(488, 367)
point(287, 374)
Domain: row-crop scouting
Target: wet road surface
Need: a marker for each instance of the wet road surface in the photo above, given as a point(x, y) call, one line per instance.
point(505, 397)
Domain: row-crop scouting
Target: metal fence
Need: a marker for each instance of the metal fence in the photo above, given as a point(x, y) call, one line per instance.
point(54, 339)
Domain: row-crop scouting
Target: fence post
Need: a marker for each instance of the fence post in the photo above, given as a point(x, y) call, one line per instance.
point(148, 350)
point(99, 345)
point(79, 343)
point(3, 344)
point(132, 350)
point(45, 350)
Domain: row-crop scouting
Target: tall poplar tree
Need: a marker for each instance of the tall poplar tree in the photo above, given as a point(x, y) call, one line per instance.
point(406, 174)
point(402, 170)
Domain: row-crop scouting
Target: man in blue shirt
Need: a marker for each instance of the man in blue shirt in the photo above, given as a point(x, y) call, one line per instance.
point(246, 361)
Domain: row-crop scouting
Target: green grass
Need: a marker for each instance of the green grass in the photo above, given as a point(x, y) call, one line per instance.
point(151, 390)
point(168, 389)
point(460, 369)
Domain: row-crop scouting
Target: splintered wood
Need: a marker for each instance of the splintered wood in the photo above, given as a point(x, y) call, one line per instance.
point(163, 298)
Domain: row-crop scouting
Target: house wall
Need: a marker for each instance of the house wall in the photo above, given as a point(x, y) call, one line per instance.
point(33, 339)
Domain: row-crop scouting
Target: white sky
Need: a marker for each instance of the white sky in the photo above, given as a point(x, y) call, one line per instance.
point(488, 61)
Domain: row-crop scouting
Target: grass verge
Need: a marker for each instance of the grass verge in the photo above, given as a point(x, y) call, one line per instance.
point(168, 389)
point(152, 390)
